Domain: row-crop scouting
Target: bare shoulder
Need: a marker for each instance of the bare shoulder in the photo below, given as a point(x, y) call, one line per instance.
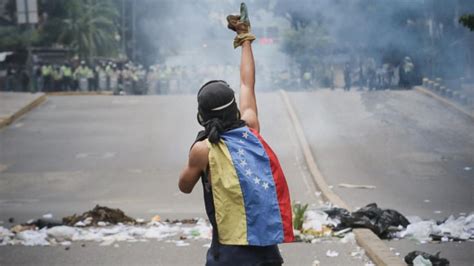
point(198, 156)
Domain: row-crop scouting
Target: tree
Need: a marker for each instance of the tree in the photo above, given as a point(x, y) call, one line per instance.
point(468, 21)
point(90, 28)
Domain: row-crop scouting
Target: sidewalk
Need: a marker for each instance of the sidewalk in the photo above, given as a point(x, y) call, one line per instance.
point(15, 104)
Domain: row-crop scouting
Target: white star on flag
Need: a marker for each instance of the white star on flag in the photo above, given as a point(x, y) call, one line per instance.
point(265, 185)
point(245, 135)
point(241, 152)
point(243, 162)
point(248, 172)
point(256, 180)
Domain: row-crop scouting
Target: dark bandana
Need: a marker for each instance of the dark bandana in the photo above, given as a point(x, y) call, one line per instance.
point(217, 110)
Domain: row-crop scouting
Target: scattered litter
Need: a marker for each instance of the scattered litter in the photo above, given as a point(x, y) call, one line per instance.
point(344, 185)
point(181, 243)
point(140, 220)
point(420, 231)
point(456, 229)
point(11, 220)
point(342, 232)
point(427, 201)
point(437, 212)
point(420, 261)
point(397, 253)
point(467, 168)
point(331, 187)
point(20, 228)
point(156, 219)
point(105, 226)
point(349, 238)
point(183, 221)
point(100, 223)
point(80, 224)
point(116, 246)
point(432, 259)
point(61, 233)
point(318, 194)
point(44, 222)
point(332, 253)
point(208, 245)
point(316, 263)
point(359, 253)
point(48, 216)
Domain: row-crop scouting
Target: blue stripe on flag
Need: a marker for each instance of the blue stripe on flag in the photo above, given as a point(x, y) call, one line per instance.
point(264, 225)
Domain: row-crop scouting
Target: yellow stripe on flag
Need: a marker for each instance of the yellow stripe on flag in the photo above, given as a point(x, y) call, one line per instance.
point(228, 199)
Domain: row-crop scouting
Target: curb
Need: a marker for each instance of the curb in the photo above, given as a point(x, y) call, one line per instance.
point(9, 119)
point(446, 102)
point(79, 93)
point(376, 249)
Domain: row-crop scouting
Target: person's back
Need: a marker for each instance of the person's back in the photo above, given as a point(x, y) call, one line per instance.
point(245, 191)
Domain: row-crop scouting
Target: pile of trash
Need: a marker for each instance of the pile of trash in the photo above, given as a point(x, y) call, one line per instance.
point(99, 214)
point(451, 229)
point(105, 226)
point(386, 223)
point(420, 258)
point(338, 222)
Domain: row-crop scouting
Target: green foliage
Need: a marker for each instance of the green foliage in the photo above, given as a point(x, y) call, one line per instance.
point(298, 215)
point(90, 28)
point(15, 38)
point(306, 44)
point(468, 21)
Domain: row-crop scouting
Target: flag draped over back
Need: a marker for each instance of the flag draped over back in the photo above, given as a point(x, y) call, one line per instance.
point(251, 198)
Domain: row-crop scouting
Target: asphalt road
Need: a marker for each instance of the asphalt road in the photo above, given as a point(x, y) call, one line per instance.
point(126, 152)
point(412, 148)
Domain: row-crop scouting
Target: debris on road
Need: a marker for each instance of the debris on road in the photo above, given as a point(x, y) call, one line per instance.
point(106, 235)
point(332, 253)
point(182, 221)
point(422, 258)
point(372, 217)
point(48, 216)
point(344, 185)
point(453, 229)
point(99, 214)
point(104, 225)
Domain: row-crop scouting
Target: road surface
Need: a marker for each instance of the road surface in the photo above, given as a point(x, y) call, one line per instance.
point(126, 152)
point(412, 148)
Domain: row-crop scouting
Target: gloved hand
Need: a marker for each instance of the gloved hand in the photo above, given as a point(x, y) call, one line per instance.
point(241, 25)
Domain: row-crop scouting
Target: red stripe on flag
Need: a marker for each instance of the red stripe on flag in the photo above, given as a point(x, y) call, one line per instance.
point(283, 193)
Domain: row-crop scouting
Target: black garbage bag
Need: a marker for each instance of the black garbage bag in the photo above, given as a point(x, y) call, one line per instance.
point(372, 217)
point(337, 213)
point(435, 259)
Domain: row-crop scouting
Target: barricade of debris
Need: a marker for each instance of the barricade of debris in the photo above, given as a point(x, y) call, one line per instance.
point(106, 226)
point(98, 214)
point(315, 224)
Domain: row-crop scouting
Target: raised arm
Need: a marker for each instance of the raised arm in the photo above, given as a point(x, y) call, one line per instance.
point(248, 101)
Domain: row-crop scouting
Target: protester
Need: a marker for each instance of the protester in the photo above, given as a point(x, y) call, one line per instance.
point(245, 191)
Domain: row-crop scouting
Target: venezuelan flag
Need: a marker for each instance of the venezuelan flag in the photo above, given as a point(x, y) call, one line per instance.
point(251, 198)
